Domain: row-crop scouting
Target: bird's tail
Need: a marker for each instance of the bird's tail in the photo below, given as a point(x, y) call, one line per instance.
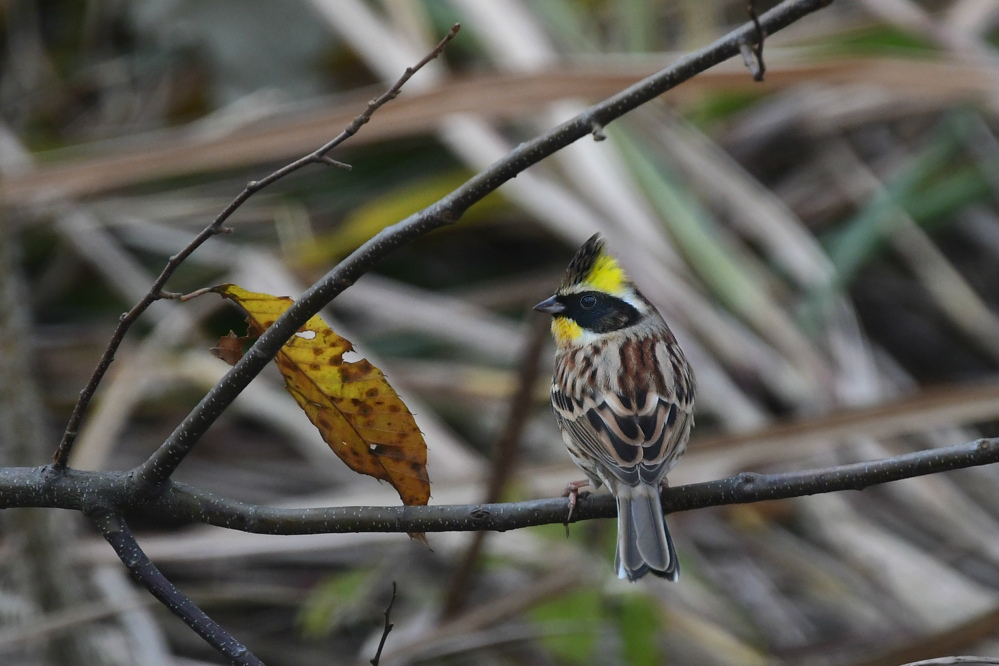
point(643, 542)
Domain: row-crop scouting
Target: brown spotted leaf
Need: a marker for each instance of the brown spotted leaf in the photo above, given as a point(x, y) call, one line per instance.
point(357, 412)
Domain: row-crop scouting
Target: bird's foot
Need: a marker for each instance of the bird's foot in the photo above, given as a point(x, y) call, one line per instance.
point(572, 492)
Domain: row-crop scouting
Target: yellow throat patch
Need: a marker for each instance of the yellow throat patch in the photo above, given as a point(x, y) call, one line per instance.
point(565, 331)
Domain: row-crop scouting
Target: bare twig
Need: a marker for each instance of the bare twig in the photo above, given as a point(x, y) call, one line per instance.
point(158, 468)
point(946, 661)
point(155, 293)
point(490, 612)
point(386, 629)
point(113, 528)
point(753, 55)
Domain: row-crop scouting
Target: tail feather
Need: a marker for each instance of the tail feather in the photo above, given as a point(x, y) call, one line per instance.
point(643, 542)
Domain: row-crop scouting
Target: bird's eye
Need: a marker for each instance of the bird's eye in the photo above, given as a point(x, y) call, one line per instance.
point(588, 301)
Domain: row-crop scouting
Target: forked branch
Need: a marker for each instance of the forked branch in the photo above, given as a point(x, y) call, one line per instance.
point(107, 496)
point(155, 293)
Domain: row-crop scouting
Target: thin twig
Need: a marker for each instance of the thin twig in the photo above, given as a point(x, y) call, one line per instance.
point(158, 468)
point(386, 629)
point(946, 661)
point(113, 528)
point(155, 293)
point(752, 56)
point(178, 502)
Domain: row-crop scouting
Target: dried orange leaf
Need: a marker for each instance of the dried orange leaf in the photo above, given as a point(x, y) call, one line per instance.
point(357, 412)
point(229, 348)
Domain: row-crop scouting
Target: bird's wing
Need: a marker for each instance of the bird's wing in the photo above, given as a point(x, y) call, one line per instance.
point(636, 440)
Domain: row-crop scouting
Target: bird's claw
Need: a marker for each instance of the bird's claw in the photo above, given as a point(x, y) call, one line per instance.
point(572, 492)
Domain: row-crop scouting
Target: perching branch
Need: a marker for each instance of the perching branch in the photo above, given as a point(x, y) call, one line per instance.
point(155, 293)
point(113, 528)
point(107, 496)
point(155, 471)
point(91, 491)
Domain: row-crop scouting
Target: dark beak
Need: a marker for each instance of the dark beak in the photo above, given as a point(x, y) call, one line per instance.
point(550, 306)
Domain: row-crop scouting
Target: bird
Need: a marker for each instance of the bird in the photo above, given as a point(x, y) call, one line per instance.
point(623, 396)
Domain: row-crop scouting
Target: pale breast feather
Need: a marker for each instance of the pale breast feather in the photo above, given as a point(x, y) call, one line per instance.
point(633, 425)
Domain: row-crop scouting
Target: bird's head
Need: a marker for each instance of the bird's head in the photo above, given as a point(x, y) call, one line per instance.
point(596, 298)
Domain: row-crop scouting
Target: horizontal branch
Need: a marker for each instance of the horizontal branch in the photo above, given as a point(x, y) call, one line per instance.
point(88, 491)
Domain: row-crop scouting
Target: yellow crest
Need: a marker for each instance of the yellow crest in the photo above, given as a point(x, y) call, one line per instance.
point(607, 275)
point(594, 269)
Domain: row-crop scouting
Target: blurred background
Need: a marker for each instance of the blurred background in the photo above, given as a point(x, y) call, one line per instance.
point(825, 245)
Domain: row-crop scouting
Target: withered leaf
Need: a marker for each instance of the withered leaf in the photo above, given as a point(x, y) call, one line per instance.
point(229, 348)
point(358, 413)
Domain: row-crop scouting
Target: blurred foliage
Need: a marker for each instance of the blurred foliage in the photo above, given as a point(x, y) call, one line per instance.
point(334, 600)
point(571, 624)
point(638, 620)
point(875, 40)
point(390, 207)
